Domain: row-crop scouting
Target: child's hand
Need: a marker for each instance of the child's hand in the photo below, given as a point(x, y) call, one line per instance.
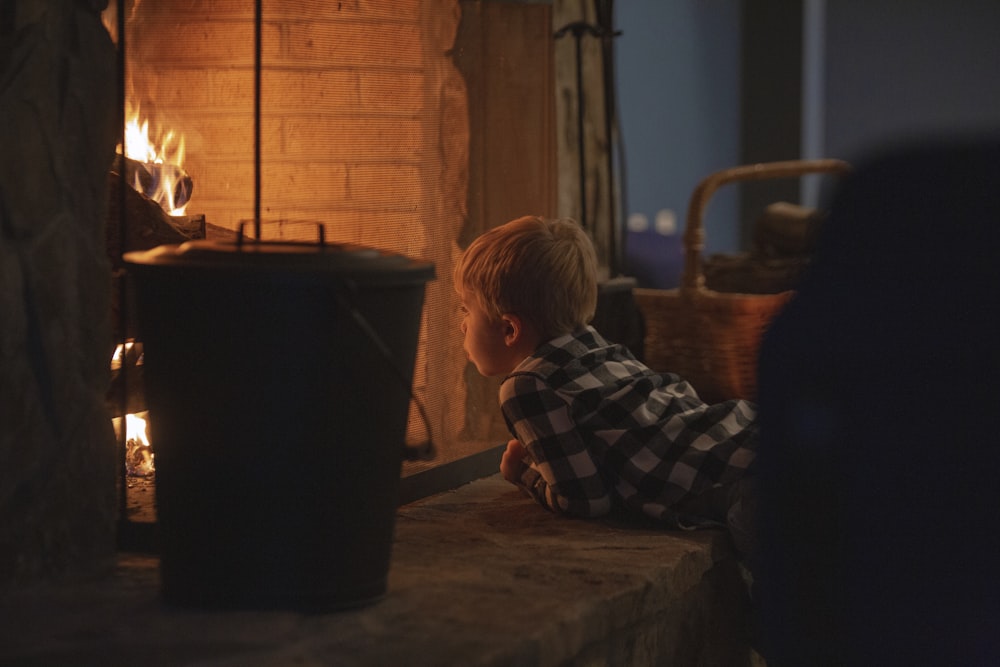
point(512, 463)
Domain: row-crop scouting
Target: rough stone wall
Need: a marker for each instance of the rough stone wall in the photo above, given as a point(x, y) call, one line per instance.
point(57, 139)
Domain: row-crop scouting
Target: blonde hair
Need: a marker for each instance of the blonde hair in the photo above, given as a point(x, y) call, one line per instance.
point(544, 271)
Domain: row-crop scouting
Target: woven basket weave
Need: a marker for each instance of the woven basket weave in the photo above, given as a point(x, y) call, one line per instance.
point(710, 338)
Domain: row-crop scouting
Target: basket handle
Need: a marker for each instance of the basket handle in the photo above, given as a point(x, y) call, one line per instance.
point(694, 231)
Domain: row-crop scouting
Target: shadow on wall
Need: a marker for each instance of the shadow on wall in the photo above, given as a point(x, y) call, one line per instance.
point(878, 391)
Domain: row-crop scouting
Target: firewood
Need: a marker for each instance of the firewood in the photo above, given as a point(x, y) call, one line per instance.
point(146, 224)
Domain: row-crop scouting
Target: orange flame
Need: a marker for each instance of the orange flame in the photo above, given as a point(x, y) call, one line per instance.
point(139, 452)
point(164, 148)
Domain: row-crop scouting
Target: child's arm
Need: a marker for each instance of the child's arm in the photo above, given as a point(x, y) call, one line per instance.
point(557, 466)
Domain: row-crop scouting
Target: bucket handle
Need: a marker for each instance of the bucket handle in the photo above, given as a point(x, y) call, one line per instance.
point(240, 236)
point(425, 450)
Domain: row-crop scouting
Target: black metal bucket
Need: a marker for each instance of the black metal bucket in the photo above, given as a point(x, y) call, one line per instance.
point(278, 383)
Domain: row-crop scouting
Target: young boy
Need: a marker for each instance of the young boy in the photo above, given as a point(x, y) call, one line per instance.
point(593, 427)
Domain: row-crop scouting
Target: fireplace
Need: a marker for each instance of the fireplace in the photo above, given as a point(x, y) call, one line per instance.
point(411, 126)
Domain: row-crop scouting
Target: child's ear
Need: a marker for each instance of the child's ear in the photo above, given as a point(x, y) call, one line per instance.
point(513, 329)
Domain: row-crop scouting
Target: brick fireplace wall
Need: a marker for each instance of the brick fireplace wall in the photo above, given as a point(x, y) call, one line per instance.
point(364, 127)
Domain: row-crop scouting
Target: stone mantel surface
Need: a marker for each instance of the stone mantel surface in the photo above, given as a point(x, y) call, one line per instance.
point(480, 576)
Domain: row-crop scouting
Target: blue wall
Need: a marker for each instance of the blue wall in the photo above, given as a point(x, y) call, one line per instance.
point(877, 72)
point(678, 66)
point(897, 70)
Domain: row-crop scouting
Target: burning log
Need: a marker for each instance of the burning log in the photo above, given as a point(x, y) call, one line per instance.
point(166, 184)
point(147, 225)
point(141, 225)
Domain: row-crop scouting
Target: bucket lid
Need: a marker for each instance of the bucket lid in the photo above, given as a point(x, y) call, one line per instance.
point(342, 260)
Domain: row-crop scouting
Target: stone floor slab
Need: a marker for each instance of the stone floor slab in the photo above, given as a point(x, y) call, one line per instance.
point(480, 576)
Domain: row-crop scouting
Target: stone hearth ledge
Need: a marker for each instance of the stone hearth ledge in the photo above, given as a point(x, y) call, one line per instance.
point(480, 576)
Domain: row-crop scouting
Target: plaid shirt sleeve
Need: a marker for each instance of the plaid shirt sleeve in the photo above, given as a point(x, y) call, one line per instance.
point(561, 473)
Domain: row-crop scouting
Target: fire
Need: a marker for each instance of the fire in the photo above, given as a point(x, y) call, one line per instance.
point(156, 167)
point(137, 143)
point(138, 449)
point(139, 452)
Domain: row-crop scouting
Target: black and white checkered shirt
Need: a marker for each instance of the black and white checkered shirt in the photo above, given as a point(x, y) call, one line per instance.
point(602, 428)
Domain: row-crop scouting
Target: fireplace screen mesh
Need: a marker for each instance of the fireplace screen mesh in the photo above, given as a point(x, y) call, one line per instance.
point(366, 125)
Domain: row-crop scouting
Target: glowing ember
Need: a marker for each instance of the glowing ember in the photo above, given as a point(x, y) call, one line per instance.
point(158, 159)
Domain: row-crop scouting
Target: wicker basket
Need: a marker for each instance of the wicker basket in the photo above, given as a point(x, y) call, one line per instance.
point(710, 338)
